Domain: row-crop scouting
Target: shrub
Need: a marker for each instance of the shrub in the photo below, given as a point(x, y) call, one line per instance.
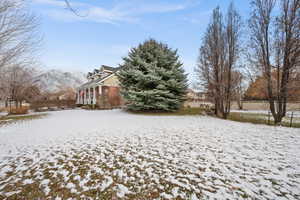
point(89, 107)
point(42, 104)
point(18, 111)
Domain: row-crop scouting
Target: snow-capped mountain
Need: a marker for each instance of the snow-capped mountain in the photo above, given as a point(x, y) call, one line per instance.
point(56, 80)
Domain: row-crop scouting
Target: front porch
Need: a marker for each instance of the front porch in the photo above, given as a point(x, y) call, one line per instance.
point(102, 95)
point(88, 96)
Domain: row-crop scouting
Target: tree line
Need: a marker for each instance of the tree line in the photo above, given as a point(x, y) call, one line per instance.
point(272, 52)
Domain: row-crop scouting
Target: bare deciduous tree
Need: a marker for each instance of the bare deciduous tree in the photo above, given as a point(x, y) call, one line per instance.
point(18, 32)
point(19, 39)
point(276, 44)
point(238, 88)
point(218, 57)
point(19, 83)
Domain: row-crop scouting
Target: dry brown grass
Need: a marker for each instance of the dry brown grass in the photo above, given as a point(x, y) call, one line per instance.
point(18, 111)
point(180, 112)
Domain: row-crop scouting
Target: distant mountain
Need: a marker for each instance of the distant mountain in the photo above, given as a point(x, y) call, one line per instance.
point(56, 80)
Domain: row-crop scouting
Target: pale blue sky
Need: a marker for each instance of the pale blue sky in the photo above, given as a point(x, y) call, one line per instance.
point(109, 28)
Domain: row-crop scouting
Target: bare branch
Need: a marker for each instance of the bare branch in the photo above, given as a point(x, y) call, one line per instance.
point(276, 44)
point(19, 40)
point(218, 58)
point(69, 7)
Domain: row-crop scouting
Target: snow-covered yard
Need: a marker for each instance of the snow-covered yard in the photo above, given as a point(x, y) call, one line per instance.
point(116, 155)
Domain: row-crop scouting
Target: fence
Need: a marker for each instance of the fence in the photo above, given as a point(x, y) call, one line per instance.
point(37, 105)
point(263, 105)
point(291, 118)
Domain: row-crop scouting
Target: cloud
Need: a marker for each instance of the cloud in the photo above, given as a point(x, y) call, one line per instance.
point(198, 18)
point(140, 8)
point(129, 11)
point(50, 2)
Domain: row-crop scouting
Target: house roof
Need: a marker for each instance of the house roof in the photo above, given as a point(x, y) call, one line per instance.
point(101, 69)
point(108, 68)
point(99, 80)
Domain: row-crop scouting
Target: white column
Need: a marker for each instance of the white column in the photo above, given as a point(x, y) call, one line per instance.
point(77, 97)
point(100, 91)
point(83, 96)
point(94, 95)
point(80, 97)
point(89, 102)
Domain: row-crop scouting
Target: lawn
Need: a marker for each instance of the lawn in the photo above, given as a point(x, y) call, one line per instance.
point(180, 112)
point(82, 154)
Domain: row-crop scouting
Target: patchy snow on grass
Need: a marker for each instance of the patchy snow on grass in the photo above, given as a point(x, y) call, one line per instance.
point(27, 181)
point(122, 191)
point(117, 155)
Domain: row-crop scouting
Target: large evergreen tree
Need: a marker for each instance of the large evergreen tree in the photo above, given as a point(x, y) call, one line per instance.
point(152, 78)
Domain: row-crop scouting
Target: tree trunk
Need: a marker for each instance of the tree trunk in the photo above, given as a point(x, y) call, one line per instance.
point(240, 103)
